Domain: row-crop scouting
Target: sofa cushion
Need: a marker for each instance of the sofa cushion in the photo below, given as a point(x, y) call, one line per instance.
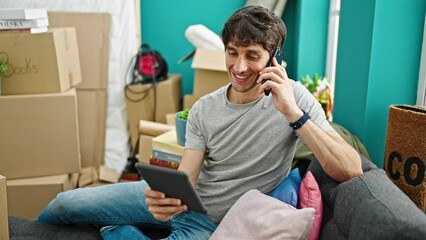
point(21, 229)
point(310, 196)
point(287, 190)
point(258, 216)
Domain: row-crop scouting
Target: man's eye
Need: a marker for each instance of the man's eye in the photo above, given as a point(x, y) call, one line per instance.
point(252, 58)
point(232, 53)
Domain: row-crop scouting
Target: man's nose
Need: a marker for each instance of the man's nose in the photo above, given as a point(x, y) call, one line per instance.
point(240, 65)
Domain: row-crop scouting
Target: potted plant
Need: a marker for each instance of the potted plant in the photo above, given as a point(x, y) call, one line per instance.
point(180, 119)
point(320, 88)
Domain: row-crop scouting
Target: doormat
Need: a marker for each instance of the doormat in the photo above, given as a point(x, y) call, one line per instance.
point(405, 154)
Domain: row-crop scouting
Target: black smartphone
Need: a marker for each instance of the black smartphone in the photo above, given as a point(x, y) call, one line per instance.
point(267, 91)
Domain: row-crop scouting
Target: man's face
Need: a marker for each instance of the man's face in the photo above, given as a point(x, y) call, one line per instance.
point(244, 65)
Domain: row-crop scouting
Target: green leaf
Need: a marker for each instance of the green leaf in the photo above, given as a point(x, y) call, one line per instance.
point(184, 114)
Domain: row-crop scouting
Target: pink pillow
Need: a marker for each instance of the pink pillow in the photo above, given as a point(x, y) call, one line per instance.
point(259, 216)
point(310, 197)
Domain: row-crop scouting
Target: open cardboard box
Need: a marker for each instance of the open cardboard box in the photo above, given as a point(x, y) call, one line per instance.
point(210, 71)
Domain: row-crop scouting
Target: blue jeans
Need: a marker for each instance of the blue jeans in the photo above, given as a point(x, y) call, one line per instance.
point(121, 209)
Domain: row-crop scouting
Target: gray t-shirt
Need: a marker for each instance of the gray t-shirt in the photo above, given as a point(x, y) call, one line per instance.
point(248, 146)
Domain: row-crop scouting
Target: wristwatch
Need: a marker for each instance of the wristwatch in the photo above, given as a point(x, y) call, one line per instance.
point(299, 123)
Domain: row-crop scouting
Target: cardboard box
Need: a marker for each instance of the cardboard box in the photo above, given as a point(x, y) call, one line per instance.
point(210, 71)
point(140, 101)
point(40, 63)
point(4, 216)
point(27, 197)
point(74, 179)
point(147, 131)
point(189, 100)
point(93, 31)
point(107, 174)
point(87, 176)
point(145, 148)
point(39, 135)
point(92, 108)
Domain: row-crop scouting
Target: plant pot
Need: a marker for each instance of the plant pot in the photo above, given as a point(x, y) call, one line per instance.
point(180, 129)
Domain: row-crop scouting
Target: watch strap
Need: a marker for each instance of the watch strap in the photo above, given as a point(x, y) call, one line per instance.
point(299, 123)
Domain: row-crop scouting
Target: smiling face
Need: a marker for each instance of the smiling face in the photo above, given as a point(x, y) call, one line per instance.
point(250, 35)
point(244, 65)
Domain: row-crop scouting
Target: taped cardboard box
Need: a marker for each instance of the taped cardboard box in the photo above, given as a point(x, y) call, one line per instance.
point(93, 31)
point(92, 107)
point(40, 63)
point(4, 223)
point(39, 135)
point(140, 102)
point(210, 71)
point(27, 197)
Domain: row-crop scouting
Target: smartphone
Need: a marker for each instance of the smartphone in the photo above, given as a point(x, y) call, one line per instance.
point(267, 91)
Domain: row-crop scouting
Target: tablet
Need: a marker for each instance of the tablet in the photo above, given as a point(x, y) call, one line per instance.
point(173, 183)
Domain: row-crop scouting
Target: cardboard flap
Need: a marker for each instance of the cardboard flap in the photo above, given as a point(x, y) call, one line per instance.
point(93, 31)
point(209, 59)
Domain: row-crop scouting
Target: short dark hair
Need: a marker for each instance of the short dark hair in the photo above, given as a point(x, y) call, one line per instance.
point(254, 25)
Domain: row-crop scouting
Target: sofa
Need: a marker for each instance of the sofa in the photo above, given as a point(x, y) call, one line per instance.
point(366, 207)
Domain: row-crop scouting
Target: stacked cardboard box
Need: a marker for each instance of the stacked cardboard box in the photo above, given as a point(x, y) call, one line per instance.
point(40, 126)
point(39, 135)
point(210, 74)
point(93, 30)
point(143, 101)
point(62, 132)
point(40, 63)
point(93, 41)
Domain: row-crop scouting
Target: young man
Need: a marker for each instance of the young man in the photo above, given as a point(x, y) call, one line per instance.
point(237, 139)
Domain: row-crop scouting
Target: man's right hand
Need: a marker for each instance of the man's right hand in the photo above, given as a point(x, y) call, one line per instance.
point(161, 207)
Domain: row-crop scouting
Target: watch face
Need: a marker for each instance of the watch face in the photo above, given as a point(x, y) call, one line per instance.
point(297, 125)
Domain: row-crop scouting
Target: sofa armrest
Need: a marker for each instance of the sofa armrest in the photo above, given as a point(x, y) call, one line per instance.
point(328, 184)
point(367, 207)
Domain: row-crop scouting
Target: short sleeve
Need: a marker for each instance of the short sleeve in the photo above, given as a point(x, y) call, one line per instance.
point(194, 137)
